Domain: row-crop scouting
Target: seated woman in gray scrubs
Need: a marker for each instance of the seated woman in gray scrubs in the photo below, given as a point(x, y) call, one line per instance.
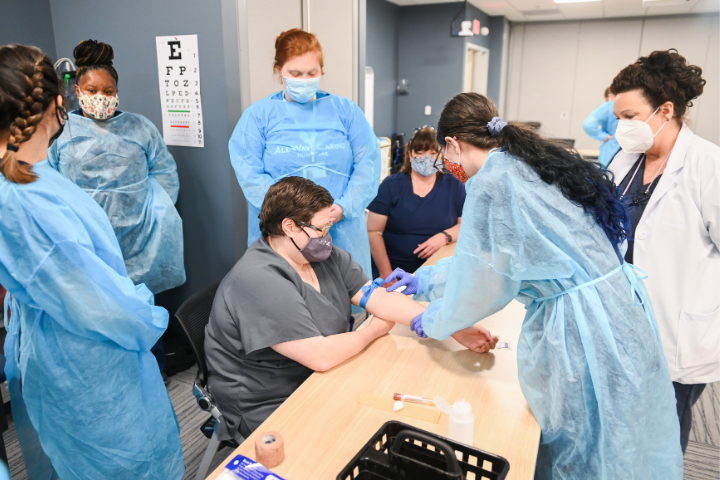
point(283, 311)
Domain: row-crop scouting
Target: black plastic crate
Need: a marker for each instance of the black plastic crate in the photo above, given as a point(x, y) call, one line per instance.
point(402, 452)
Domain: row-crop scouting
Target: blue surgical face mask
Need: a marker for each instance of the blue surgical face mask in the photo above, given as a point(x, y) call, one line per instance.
point(302, 90)
point(424, 165)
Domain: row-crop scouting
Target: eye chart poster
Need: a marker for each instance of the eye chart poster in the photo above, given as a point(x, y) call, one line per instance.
point(179, 74)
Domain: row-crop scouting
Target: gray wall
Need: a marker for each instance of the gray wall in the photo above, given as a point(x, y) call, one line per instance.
point(206, 177)
point(562, 88)
point(382, 55)
point(28, 22)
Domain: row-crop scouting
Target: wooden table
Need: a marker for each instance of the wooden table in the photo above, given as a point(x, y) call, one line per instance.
point(324, 426)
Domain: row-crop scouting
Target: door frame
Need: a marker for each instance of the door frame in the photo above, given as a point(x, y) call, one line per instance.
point(477, 48)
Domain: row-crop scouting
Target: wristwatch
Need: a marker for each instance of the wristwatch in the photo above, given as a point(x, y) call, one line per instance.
point(448, 237)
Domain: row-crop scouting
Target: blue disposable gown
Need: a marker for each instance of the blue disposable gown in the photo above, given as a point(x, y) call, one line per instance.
point(328, 141)
point(590, 361)
point(599, 124)
point(79, 338)
point(124, 165)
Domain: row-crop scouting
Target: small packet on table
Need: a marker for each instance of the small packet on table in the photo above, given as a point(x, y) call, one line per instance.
point(242, 468)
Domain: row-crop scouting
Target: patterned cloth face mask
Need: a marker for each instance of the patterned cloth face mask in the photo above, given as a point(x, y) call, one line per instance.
point(98, 106)
point(456, 169)
point(424, 165)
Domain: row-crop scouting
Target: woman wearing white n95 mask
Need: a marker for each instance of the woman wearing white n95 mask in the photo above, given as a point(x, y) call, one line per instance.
point(670, 179)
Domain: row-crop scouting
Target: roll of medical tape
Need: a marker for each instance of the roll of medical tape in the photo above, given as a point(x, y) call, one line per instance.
point(270, 449)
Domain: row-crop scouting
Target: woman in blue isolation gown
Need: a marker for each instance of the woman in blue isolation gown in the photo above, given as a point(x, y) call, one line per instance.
point(306, 132)
point(87, 397)
point(121, 161)
point(543, 226)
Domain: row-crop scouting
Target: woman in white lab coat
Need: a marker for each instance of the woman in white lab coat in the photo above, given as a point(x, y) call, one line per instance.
point(670, 178)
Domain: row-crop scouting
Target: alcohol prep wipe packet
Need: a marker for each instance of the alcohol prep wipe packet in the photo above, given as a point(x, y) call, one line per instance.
point(242, 468)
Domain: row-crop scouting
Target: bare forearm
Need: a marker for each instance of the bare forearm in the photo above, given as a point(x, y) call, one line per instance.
point(394, 306)
point(335, 349)
point(379, 254)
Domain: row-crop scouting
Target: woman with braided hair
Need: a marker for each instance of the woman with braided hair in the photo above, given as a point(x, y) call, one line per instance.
point(120, 159)
point(83, 382)
point(545, 227)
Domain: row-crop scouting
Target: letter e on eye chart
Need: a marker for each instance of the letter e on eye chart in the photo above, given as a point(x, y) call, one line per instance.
point(180, 102)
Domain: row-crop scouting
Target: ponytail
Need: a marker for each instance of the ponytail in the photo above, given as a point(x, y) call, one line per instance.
point(583, 183)
point(15, 170)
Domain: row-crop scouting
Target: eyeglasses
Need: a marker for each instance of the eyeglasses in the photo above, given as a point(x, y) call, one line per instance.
point(322, 231)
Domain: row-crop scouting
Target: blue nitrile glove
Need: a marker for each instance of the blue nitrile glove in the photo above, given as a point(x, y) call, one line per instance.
point(416, 326)
point(403, 278)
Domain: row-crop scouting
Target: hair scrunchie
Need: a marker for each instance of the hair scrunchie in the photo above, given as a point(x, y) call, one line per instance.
point(495, 126)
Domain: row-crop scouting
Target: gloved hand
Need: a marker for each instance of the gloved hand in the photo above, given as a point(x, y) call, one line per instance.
point(416, 326)
point(403, 278)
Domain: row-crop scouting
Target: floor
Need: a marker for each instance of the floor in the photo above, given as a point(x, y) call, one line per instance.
point(702, 460)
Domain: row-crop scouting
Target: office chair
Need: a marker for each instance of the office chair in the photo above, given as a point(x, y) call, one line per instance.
point(193, 316)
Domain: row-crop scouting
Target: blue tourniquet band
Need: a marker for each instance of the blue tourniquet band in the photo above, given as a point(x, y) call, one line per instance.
point(369, 289)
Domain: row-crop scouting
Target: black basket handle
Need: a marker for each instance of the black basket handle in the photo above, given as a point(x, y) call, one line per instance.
point(449, 453)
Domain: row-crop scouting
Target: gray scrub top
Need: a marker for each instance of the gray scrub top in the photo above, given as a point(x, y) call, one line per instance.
point(261, 302)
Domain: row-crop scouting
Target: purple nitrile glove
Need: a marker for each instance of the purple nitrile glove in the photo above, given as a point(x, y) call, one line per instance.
point(416, 326)
point(408, 280)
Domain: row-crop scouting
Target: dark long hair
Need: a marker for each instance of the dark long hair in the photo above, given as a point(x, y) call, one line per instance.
point(583, 183)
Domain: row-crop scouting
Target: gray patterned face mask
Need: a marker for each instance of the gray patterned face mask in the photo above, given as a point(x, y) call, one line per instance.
point(424, 165)
point(318, 249)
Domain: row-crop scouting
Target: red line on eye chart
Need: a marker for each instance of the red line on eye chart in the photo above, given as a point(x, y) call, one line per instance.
point(180, 126)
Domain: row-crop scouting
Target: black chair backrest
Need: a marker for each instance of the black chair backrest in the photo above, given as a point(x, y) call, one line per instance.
point(194, 315)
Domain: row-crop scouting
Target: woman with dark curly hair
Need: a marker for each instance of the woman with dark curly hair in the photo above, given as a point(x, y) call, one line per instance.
point(543, 226)
point(670, 178)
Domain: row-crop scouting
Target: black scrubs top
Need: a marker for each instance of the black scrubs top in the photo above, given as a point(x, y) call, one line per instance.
point(262, 302)
point(636, 198)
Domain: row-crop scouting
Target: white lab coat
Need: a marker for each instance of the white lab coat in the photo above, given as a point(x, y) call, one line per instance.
point(676, 243)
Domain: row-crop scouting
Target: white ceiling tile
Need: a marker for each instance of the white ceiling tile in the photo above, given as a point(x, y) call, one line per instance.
point(532, 4)
point(706, 6)
point(624, 8)
point(494, 7)
point(582, 10)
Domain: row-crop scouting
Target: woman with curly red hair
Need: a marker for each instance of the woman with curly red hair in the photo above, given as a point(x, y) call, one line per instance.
point(670, 179)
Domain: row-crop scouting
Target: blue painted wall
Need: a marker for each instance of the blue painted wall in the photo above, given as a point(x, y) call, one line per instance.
point(205, 202)
point(382, 55)
point(433, 61)
point(28, 22)
point(492, 42)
